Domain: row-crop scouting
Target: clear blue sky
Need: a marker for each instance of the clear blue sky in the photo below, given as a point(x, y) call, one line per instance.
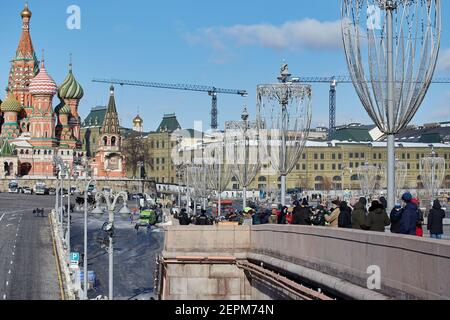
point(228, 44)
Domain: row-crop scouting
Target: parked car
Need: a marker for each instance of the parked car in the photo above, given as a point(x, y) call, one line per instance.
point(52, 191)
point(27, 190)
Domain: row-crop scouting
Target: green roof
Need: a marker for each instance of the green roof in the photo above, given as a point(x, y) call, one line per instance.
point(359, 134)
point(7, 149)
point(96, 117)
point(169, 123)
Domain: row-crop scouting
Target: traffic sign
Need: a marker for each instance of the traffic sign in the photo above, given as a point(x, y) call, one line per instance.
point(74, 260)
point(74, 257)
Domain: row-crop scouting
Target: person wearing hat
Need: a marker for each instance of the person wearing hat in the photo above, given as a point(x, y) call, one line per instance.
point(410, 215)
point(332, 219)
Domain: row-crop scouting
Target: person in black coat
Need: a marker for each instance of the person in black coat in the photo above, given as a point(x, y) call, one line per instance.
point(282, 216)
point(302, 214)
point(435, 218)
point(345, 216)
point(184, 218)
point(395, 216)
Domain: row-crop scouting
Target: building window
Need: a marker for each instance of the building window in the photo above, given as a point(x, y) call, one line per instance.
point(105, 141)
point(333, 166)
point(316, 156)
point(113, 141)
point(340, 166)
point(362, 155)
point(303, 166)
point(333, 156)
point(351, 164)
point(304, 156)
point(322, 156)
point(316, 166)
point(350, 155)
point(356, 155)
point(322, 166)
point(339, 156)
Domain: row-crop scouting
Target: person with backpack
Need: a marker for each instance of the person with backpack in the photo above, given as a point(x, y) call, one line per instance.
point(345, 216)
point(409, 215)
point(435, 220)
point(318, 218)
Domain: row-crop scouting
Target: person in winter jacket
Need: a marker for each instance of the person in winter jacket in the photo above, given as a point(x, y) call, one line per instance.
point(359, 214)
point(384, 203)
point(282, 216)
point(395, 216)
point(332, 219)
point(318, 217)
point(419, 225)
point(345, 216)
point(302, 214)
point(410, 216)
point(435, 218)
point(377, 218)
point(183, 218)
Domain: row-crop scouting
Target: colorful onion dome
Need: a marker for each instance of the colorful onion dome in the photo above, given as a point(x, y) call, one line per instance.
point(70, 88)
point(42, 83)
point(11, 105)
point(26, 13)
point(64, 110)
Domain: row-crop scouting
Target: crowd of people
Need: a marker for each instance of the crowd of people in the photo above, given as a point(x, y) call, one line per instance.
point(406, 219)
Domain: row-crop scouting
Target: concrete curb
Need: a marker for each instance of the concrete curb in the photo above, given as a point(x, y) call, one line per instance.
point(62, 258)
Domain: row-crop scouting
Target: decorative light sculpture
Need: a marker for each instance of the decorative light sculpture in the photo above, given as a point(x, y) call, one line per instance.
point(367, 175)
point(284, 113)
point(242, 150)
point(197, 181)
point(432, 171)
point(219, 172)
point(391, 48)
point(401, 171)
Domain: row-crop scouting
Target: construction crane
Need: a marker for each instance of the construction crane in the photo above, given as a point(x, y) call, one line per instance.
point(334, 81)
point(212, 91)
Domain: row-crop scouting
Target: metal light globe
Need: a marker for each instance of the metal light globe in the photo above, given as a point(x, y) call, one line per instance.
point(125, 212)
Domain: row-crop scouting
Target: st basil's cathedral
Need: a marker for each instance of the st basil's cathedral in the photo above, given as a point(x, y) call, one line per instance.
point(32, 132)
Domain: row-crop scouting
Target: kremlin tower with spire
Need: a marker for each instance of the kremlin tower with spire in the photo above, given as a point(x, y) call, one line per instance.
point(35, 130)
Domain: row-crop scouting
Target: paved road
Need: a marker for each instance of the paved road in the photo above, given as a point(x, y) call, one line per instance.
point(134, 257)
point(27, 264)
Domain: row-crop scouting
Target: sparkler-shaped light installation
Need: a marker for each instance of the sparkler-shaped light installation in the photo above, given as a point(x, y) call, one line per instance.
point(284, 117)
point(367, 175)
point(432, 171)
point(242, 149)
point(391, 48)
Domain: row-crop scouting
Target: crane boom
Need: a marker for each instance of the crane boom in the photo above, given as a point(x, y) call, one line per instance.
point(212, 91)
point(334, 81)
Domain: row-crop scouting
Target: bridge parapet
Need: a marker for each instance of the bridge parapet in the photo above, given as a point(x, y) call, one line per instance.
point(334, 259)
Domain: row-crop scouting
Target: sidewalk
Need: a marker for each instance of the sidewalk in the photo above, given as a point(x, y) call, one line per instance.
point(69, 289)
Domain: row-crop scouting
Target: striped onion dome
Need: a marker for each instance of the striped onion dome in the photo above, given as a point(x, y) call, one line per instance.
point(70, 88)
point(65, 109)
point(42, 83)
point(11, 105)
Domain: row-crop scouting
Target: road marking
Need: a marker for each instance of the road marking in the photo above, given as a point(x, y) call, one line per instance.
point(1, 218)
point(4, 297)
point(13, 253)
point(7, 283)
point(9, 272)
point(11, 262)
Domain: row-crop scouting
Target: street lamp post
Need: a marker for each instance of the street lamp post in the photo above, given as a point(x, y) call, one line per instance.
point(109, 228)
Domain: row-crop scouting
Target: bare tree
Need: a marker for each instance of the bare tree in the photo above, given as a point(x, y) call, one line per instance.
point(135, 149)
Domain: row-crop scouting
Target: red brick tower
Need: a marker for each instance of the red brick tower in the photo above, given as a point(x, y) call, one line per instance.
point(24, 67)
